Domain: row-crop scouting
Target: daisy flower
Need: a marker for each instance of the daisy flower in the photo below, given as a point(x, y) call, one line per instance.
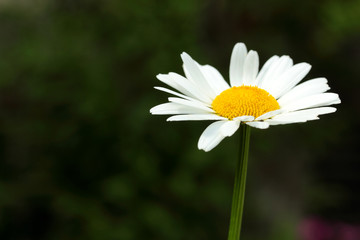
point(259, 99)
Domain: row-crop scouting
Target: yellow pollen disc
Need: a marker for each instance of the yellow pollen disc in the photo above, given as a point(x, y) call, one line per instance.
point(244, 100)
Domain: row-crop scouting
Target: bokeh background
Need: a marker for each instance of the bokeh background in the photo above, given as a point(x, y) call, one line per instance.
point(82, 158)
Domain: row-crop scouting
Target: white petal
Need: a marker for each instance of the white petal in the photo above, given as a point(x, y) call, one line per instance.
point(310, 87)
point(215, 133)
point(308, 113)
point(244, 118)
point(190, 104)
point(193, 72)
point(289, 79)
point(229, 128)
point(261, 125)
point(269, 114)
point(183, 85)
point(276, 69)
point(251, 68)
point(317, 100)
point(212, 134)
point(195, 117)
point(264, 70)
point(215, 79)
point(213, 143)
point(300, 116)
point(237, 64)
point(191, 87)
point(281, 122)
point(177, 94)
point(165, 78)
point(175, 108)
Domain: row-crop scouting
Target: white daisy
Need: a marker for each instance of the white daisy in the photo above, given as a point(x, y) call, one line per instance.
point(259, 99)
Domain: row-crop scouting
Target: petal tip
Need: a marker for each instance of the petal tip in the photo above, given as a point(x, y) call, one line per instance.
point(240, 45)
point(160, 75)
point(185, 56)
point(253, 52)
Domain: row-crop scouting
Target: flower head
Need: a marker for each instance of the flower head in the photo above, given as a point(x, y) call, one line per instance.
point(259, 99)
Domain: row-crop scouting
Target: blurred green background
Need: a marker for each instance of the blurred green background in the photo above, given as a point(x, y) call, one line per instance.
point(82, 158)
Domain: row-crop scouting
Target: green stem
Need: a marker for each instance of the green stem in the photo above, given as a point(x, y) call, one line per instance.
point(239, 185)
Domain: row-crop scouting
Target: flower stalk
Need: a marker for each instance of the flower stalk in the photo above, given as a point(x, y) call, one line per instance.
point(237, 206)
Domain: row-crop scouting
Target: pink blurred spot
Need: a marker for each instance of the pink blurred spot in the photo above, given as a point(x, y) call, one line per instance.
point(315, 229)
point(348, 232)
point(318, 229)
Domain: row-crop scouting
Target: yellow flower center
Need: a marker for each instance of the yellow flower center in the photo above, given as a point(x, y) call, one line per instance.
point(244, 100)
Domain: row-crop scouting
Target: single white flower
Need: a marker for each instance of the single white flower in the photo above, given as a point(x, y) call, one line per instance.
point(259, 99)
